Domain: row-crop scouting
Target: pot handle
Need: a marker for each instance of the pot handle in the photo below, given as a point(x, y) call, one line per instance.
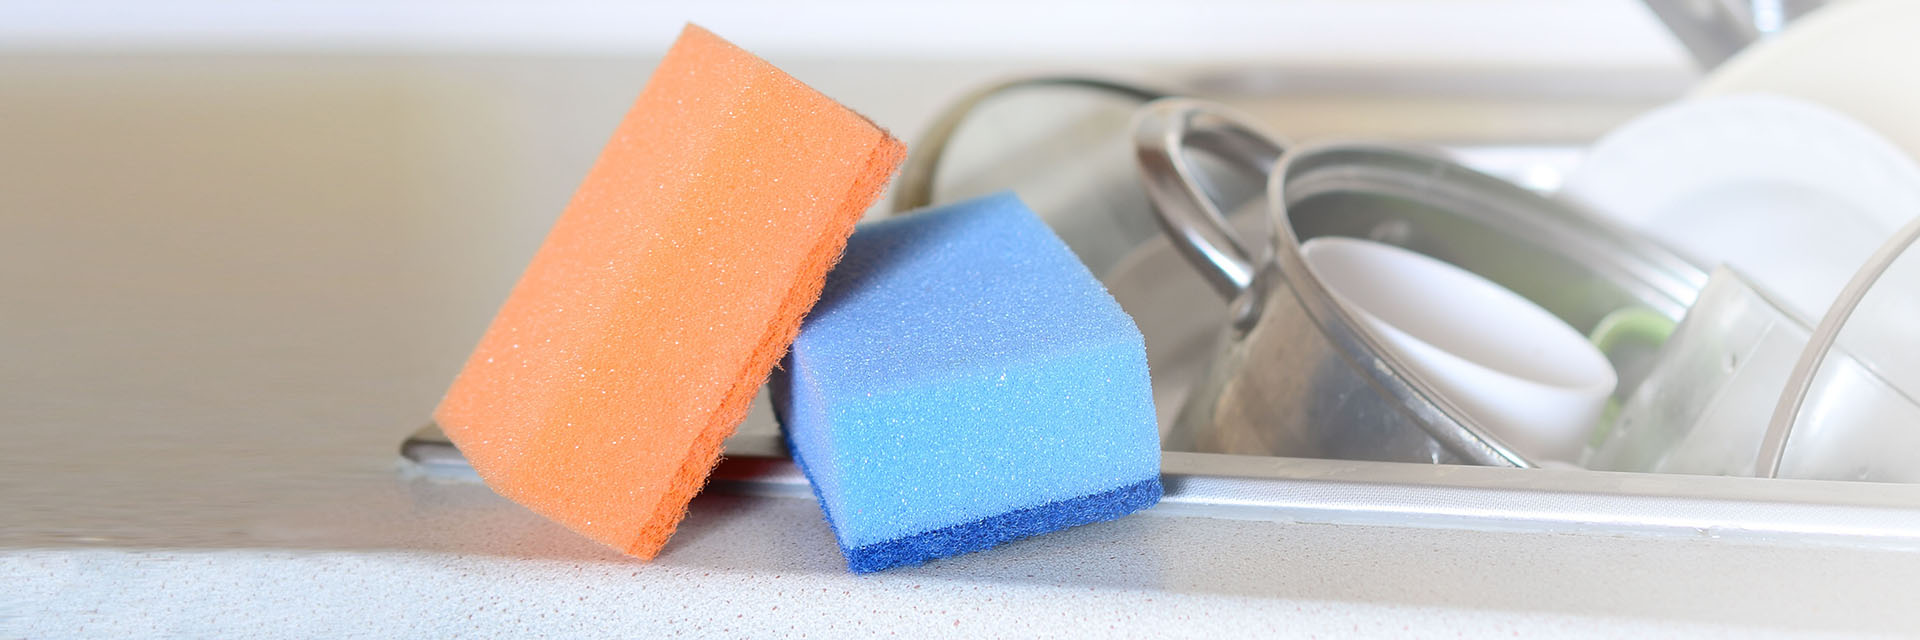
point(1162, 131)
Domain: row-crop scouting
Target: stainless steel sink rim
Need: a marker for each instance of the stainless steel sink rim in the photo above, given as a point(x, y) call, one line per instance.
point(1361, 493)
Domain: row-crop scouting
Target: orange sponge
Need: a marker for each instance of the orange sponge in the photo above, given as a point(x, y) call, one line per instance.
point(666, 291)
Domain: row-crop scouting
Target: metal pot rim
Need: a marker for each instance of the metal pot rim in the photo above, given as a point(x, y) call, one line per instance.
point(1356, 342)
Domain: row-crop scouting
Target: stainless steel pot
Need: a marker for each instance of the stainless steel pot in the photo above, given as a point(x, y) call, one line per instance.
point(1064, 145)
point(1298, 376)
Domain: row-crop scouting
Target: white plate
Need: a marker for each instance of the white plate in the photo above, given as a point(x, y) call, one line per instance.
point(1854, 57)
point(1792, 194)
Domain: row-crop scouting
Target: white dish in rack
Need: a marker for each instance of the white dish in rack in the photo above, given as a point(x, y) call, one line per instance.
point(1793, 194)
point(1854, 57)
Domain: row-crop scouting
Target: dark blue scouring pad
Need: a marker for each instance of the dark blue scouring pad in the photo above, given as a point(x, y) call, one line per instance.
point(965, 381)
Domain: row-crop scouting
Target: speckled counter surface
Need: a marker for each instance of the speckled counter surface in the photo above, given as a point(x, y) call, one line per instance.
point(473, 565)
point(230, 286)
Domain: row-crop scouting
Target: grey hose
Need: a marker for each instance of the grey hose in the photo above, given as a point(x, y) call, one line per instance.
point(1773, 446)
point(916, 185)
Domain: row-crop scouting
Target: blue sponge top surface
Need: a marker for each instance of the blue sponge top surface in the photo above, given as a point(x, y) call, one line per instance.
point(961, 365)
point(1012, 289)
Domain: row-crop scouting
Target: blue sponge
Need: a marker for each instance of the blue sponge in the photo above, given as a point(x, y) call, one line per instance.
point(965, 381)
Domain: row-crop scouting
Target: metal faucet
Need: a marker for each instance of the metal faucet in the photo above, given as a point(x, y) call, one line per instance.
point(1714, 30)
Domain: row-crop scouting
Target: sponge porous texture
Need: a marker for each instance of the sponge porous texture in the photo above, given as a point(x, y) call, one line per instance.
point(966, 381)
point(665, 293)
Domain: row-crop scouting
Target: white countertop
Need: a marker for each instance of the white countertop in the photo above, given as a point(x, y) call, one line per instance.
point(230, 286)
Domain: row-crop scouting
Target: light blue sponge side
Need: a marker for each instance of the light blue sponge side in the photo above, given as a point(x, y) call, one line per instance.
point(1001, 441)
point(965, 380)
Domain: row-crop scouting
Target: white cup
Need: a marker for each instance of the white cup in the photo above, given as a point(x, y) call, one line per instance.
point(1511, 366)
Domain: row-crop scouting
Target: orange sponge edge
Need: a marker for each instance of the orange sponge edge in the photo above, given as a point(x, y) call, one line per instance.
point(665, 294)
point(803, 294)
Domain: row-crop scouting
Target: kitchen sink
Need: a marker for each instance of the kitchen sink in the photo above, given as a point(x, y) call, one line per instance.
point(251, 272)
point(1062, 149)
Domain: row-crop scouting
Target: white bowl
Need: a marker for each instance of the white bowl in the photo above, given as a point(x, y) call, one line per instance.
point(1511, 366)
